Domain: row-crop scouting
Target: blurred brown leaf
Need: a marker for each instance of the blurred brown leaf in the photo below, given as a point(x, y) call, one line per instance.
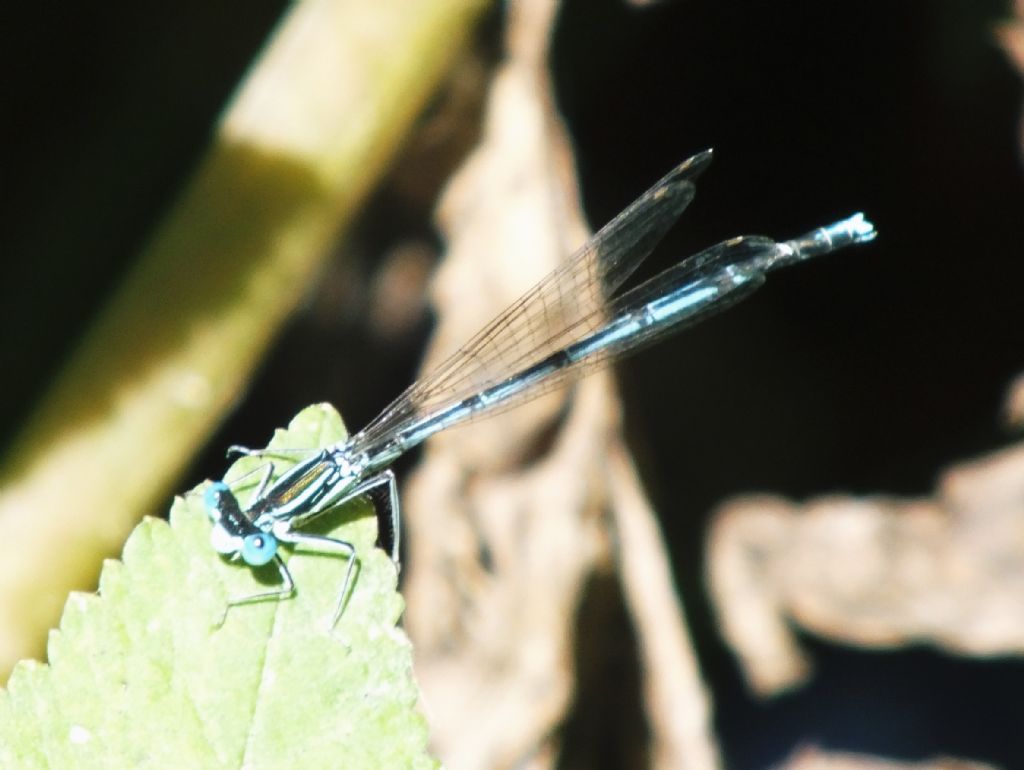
point(509, 518)
point(946, 570)
point(1011, 37)
point(816, 759)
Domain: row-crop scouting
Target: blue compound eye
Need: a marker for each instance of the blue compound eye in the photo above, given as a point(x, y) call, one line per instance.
point(213, 495)
point(257, 550)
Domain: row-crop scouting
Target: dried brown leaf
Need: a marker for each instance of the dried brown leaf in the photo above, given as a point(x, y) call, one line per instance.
point(880, 572)
point(816, 759)
point(509, 516)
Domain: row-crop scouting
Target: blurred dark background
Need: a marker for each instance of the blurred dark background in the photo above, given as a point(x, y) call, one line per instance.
point(864, 372)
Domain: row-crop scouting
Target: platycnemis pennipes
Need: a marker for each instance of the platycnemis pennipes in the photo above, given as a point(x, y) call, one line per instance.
point(572, 322)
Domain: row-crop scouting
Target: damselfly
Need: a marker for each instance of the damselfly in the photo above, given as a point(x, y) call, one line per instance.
point(570, 323)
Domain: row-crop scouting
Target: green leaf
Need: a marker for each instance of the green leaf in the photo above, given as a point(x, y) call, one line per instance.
point(143, 675)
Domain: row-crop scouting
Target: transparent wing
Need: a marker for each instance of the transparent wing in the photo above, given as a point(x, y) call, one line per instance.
point(685, 294)
point(703, 284)
point(567, 305)
point(695, 288)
